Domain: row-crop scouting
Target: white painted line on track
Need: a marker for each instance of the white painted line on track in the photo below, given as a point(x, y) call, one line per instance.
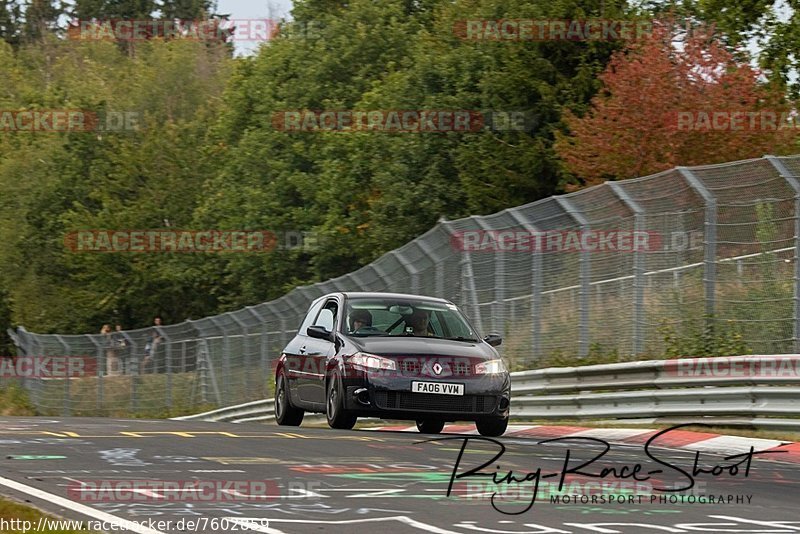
point(77, 507)
point(399, 518)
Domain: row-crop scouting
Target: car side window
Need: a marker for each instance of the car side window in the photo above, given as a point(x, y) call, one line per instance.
point(327, 316)
point(312, 313)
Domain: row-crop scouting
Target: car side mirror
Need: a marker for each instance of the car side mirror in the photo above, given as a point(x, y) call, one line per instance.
point(494, 340)
point(320, 332)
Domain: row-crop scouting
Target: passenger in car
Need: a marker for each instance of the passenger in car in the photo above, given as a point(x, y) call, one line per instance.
point(359, 318)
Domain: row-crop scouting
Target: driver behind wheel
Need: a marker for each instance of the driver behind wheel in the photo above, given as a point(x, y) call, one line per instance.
point(359, 318)
point(418, 323)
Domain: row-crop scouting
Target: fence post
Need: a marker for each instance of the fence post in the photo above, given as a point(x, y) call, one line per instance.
point(710, 258)
point(584, 277)
point(536, 284)
point(469, 281)
point(226, 362)
point(428, 251)
point(792, 179)
point(100, 371)
point(638, 267)
point(262, 342)
point(168, 356)
point(246, 349)
point(67, 408)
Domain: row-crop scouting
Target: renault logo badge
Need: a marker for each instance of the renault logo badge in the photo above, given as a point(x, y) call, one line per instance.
point(437, 368)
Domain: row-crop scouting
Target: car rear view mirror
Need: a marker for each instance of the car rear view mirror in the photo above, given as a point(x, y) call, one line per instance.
point(401, 310)
point(494, 340)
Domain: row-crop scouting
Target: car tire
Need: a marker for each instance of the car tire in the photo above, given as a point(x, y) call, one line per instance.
point(338, 417)
point(430, 426)
point(285, 412)
point(492, 427)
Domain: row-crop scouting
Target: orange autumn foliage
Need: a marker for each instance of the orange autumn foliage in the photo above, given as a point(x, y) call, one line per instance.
point(657, 111)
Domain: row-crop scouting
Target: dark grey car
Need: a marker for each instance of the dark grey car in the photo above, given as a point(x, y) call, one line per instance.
point(392, 356)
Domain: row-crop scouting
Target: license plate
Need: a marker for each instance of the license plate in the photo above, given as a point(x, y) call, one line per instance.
point(440, 388)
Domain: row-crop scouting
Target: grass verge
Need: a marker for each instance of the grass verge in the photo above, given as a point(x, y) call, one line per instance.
point(13, 517)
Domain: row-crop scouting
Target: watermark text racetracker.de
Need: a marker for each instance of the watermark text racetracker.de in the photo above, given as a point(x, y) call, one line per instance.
point(68, 120)
point(148, 490)
point(402, 120)
point(175, 240)
point(769, 366)
point(727, 120)
point(253, 30)
point(195, 524)
point(608, 240)
point(552, 30)
point(47, 367)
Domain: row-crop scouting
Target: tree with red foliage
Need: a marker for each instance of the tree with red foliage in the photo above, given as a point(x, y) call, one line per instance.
point(669, 102)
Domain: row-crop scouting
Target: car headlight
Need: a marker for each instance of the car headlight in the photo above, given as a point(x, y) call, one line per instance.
point(491, 367)
point(370, 361)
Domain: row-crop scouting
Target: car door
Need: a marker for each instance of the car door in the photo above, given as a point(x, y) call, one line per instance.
point(295, 351)
point(315, 354)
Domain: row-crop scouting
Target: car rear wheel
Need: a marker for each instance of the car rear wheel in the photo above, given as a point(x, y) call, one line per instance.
point(492, 427)
point(335, 412)
point(285, 413)
point(430, 426)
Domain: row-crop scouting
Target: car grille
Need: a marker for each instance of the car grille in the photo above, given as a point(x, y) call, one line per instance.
point(429, 402)
point(450, 367)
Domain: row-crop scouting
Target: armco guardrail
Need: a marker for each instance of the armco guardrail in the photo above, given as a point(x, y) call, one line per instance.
point(755, 389)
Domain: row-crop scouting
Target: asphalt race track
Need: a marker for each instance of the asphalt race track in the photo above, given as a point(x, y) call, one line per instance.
point(321, 480)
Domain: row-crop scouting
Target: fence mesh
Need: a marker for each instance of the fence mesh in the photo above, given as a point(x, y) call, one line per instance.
point(713, 247)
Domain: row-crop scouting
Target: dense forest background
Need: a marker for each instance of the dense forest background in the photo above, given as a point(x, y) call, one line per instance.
point(206, 155)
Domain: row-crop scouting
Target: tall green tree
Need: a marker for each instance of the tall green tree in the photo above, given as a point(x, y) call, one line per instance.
point(10, 21)
point(41, 19)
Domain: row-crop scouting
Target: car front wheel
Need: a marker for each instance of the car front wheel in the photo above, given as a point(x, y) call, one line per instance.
point(285, 413)
point(492, 427)
point(335, 412)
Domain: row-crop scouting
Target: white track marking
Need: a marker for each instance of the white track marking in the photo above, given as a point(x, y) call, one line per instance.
point(77, 507)
point(399, 518)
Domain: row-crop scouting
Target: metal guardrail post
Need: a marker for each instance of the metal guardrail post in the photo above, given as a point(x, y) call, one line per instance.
point(226, 362)
point(498, 306)
point(101, 370)
point(468, 287)
point(67, 408)
point(246, 349)
point(585, 277)
point(408, 267)
point(638, 266)
point(536, 285)
point(426, 248)
point(168, 357)
point(710, 266)
point(262, 345)
point(792, 180)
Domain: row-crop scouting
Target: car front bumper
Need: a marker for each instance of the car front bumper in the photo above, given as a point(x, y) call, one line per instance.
point(390, 397)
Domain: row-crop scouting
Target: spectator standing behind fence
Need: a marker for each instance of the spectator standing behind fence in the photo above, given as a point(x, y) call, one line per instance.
point(152, 345)
point(120, 343)
point(112, 360)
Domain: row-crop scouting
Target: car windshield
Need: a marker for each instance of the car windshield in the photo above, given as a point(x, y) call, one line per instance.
point(406, 317)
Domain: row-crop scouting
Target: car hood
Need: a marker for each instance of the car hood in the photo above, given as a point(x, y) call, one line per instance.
point(410, 345)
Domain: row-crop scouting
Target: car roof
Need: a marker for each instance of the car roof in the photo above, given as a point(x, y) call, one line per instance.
point(365, 294)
